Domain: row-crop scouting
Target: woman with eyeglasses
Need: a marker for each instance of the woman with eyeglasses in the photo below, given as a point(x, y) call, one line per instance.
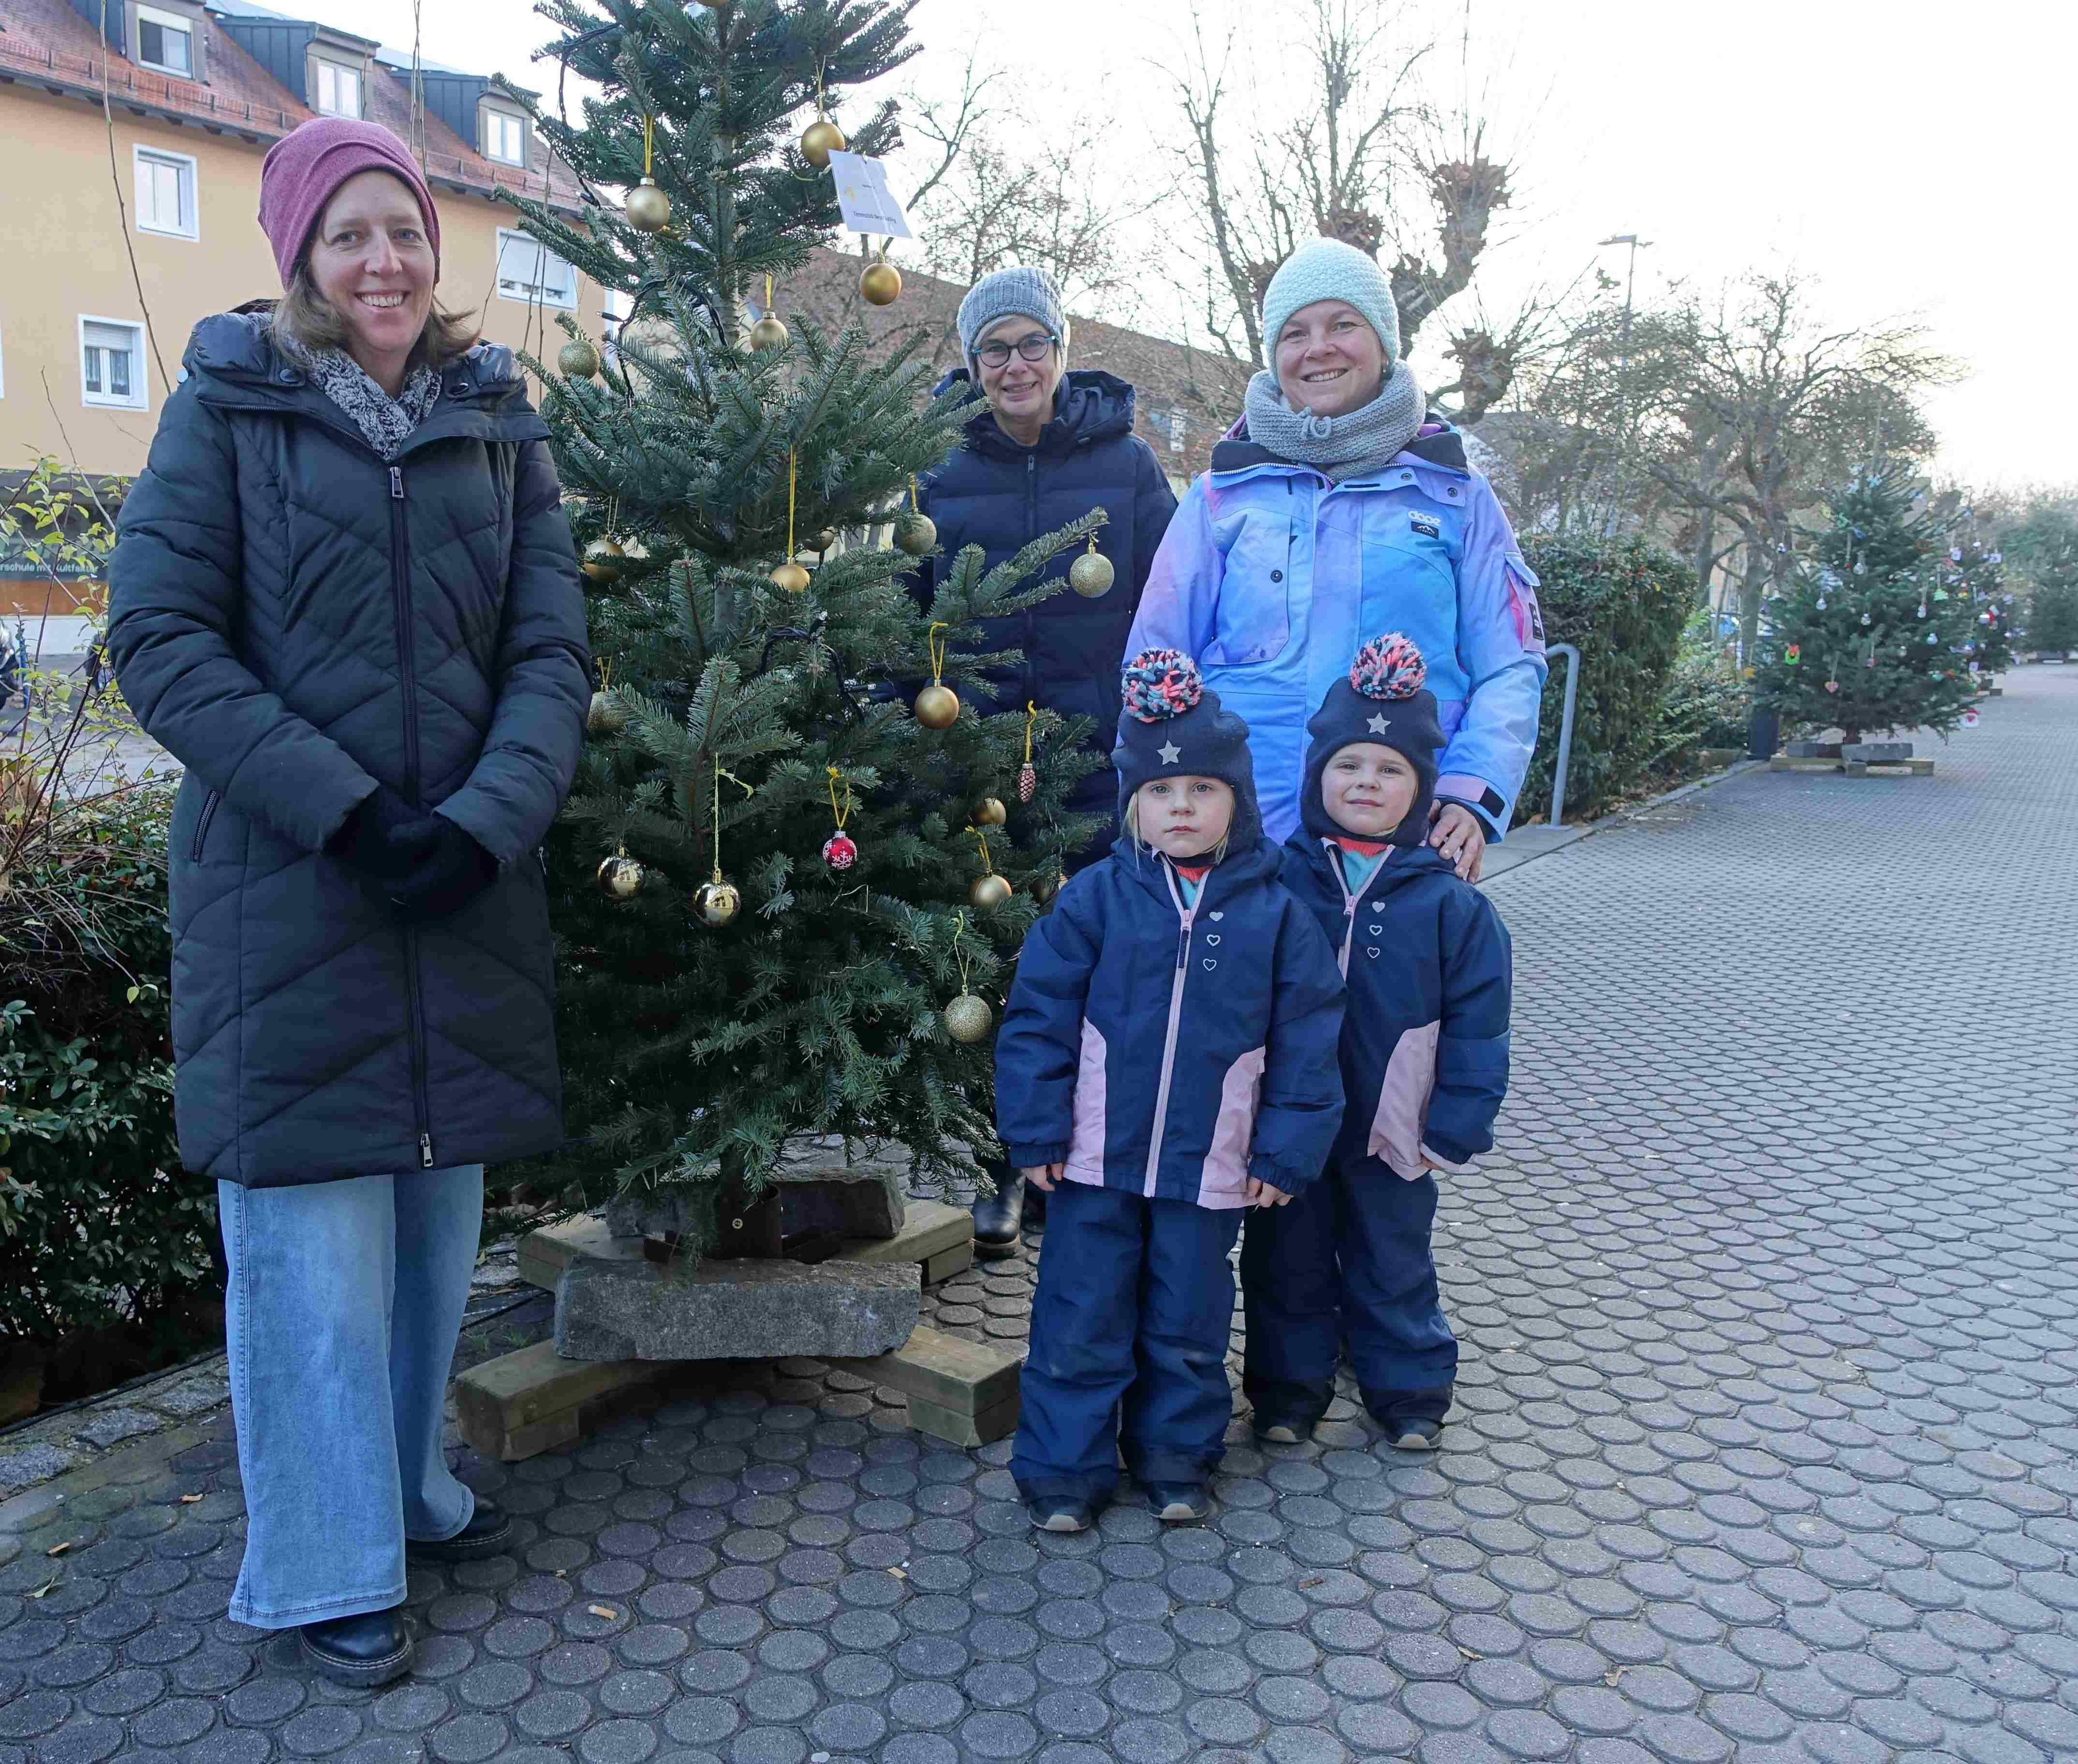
point(1052, 445)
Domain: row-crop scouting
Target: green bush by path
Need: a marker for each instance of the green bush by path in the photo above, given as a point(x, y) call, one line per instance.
point(1623, 603)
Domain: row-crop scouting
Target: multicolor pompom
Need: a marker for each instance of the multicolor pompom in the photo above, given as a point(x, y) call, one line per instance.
point(1158, 684)
point(1388, 667)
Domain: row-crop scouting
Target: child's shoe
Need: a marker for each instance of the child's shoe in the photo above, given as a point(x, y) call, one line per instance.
point(1060, 1512)
point(1179, 1503)
point(1415, 1433)
point(1284, 1432)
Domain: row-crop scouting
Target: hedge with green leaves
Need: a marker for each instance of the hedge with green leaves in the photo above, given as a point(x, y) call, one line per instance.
point(1623, 603)
point(99, 1227)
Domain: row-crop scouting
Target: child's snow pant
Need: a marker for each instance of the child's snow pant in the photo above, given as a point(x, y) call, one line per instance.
point(1349, 1258)
point(1129, 1332)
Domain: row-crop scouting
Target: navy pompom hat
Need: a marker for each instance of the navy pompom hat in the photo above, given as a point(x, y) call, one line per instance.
point(1173, 726)
point(1383, 699)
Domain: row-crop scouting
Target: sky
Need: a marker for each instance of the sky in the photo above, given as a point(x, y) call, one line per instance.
point(1915, 159)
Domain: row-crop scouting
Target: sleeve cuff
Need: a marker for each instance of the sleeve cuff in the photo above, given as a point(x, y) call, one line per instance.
point(1033, 1157)
point(1460, 1166)
point(1281, 1176)
point(1475, 795)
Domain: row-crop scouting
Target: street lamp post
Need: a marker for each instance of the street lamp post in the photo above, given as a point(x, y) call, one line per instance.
point(1623, 370)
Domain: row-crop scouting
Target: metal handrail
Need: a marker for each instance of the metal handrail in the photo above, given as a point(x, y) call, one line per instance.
point(1572, 654)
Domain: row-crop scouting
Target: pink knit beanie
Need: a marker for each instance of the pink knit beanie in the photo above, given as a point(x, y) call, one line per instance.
point(305, 168)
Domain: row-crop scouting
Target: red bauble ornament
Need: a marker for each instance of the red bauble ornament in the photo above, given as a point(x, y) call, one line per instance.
point(839, 851)
point(1027, 782)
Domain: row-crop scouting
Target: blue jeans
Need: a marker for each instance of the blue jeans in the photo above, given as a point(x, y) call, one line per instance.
point(342, 1307)
point(1354, 1249)
point(1129, 1328)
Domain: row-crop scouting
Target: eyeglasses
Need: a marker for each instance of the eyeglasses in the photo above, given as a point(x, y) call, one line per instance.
point(1032, 349)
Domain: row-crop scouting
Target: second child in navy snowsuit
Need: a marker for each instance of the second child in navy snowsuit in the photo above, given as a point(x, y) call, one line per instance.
point(1423, 1059)
point(1167, 1059)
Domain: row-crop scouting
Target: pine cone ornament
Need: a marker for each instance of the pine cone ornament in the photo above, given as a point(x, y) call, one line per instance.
point(1158, 684)
point(1027, 782)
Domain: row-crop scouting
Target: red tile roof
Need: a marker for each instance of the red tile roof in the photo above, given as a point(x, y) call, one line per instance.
point(48, 44)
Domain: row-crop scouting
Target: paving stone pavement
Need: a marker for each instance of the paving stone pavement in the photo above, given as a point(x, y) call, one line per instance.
point(1766, 1447)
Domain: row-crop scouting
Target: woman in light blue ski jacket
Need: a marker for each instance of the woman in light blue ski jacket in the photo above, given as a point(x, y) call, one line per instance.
point(1349, 514)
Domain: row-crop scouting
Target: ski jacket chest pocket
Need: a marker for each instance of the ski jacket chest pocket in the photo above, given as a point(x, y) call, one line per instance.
point(1408, 559)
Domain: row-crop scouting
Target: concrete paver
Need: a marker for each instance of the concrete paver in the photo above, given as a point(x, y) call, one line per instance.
point(1764, 1445)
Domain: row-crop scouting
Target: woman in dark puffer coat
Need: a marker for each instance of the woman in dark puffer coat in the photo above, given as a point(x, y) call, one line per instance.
point(1052, 446)
point(343, 595)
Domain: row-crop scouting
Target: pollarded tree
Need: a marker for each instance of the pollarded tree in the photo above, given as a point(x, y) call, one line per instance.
point(773, 878)
point(1864, 635)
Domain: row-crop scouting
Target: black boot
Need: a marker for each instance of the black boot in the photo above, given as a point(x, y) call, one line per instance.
point(368, 1650)
point(998, 1219)
point(489, 1532)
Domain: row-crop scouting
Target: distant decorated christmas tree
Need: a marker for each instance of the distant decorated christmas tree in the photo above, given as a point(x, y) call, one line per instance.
point(1868, 636)
point(1975, 573)
point(2052, 611)
point(795, 865)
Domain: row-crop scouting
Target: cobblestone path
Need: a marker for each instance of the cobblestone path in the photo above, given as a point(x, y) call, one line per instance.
point(1767, 1445)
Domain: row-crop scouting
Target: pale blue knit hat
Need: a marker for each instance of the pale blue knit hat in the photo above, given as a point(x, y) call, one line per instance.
point(1024, 292)
point(1327, 269)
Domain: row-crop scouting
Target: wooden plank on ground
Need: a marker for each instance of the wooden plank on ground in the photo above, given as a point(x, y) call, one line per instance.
point(933, 1233)
point(947, 1371)
point(1780, 764)
point(1890, 768)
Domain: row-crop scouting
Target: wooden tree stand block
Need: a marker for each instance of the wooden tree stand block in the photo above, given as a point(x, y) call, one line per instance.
point(1783, 763)
point(939, 1237)
point(534, 1401)
point(1889, 767)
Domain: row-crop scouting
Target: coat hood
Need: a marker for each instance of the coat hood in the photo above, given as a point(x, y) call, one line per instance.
point(1309, 853)
point(1173, 725)
point(1089, 406)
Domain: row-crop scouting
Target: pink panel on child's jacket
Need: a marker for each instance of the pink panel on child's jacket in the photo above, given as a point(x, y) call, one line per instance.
point(1086, 1138)
point(1222, 1180)
point(1403, 1100)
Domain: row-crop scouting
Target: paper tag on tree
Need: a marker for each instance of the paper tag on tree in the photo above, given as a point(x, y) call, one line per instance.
point(864, 199)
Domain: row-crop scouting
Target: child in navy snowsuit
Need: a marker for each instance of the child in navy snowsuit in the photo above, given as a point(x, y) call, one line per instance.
point(1424, 1060)
point(1167, 1059)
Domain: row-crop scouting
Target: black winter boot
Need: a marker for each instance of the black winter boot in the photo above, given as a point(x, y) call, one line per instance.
point(368, 1650)
point(489, 1532)
point(998, 1219)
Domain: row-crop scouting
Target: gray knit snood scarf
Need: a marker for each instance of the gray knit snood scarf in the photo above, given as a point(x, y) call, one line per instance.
point(1357, 441)
point(386, 423)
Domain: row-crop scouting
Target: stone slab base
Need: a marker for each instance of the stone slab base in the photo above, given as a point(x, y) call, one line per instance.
point(534, 1400)
point(736, 1310)
point(1813, 750)
point(938, 1237)
point(1872, 752)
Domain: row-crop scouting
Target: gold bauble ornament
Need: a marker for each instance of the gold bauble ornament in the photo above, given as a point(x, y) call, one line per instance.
point(822, 540)
point(968, 1019)
point(649, 209)
point(916, 534)
point(988, 891)
point(608, 713)
point(791, 577)
point(1092, 575)
point(715, 904)
point(1046, 886)
point(620, 878)
point(820, 139)
point(577, 360)
point(769, 332)
point(604, 560)
point(938, 706)
point(989, 812)
point(880, 283)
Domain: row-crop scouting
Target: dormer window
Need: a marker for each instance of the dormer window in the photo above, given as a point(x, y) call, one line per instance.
point(504, 137)
point(166, 42)
point(339, 90)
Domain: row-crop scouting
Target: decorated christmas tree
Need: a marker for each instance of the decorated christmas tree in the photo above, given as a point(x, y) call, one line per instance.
point(2052, 612)
point(1868, 636)
point(795, 865)
point(1975, 573)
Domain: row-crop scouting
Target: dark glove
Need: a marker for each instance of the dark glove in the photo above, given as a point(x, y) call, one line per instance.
point(384, 837)
point(452, 873)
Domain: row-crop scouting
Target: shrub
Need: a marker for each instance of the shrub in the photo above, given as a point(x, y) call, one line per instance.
point(1623, 603)
point(1706, 703)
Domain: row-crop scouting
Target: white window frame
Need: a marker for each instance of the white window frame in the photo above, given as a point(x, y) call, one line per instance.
point(1179, 427)
point(140, 391)
point(189, 178)
point(339, 70)
point(169, 21)
point(533, 293)
point(492, 115)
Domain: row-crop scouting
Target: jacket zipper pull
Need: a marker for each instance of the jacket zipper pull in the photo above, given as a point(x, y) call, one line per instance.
point(396, 483)
point(425, 1151)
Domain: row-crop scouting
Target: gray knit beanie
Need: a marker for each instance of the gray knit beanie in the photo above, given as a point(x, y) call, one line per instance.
point(1324, 269)
point(1025, 292)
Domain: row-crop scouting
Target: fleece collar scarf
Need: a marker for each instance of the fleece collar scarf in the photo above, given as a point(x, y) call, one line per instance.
point(1357, 441)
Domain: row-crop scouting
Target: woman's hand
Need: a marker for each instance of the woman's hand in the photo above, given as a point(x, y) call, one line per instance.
point(1260, 1193)
point(1456, 832)
point(1042, 1177)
